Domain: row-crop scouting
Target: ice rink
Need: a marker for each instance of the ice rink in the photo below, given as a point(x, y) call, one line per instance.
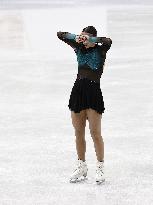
point(37, 141)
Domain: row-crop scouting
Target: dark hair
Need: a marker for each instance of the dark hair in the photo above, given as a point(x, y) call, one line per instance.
point(90, 29)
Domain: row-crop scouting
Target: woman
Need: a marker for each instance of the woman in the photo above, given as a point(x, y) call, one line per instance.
point(86, 100)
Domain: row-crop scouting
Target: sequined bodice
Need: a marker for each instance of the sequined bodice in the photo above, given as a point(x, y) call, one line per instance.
point(90, 60)
point(90, 56)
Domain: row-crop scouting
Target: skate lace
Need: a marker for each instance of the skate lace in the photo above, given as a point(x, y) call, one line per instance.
point(79, 166)
point(100, 170)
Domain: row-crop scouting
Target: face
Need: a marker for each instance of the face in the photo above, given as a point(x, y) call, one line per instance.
point(87, 43)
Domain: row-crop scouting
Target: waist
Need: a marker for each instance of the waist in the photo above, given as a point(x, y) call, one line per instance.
point(79, 77)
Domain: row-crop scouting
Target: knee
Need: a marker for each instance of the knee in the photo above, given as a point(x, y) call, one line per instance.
point(80, 133)
point(96, 135)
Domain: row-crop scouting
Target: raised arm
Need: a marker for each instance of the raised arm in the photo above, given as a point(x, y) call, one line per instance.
point(68, 38)
point(106, 42)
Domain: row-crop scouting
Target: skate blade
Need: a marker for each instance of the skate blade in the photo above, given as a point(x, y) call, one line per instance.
point(78, 179)
point(100, 182)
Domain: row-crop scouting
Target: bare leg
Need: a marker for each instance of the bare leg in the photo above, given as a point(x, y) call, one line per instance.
point(79, 124)
point(94, 119)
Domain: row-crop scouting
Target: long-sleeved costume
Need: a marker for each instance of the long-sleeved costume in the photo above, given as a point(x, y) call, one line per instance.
point(90, 60)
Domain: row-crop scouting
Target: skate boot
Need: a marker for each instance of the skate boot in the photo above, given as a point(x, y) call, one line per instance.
point(80, 172)
point(100, 172)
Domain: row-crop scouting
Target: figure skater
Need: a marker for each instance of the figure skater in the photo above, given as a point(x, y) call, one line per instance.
point(86, 99)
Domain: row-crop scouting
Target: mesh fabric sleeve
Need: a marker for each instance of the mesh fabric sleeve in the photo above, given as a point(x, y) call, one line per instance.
point(69, 39)
point(106, 42)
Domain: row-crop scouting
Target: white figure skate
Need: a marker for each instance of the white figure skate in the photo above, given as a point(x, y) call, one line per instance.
point(80, 173)
point(100, 172)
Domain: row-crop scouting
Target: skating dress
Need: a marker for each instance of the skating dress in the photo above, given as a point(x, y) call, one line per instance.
point(86, 92)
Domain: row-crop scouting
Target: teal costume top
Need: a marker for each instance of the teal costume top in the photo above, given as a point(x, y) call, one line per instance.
point(90, 60)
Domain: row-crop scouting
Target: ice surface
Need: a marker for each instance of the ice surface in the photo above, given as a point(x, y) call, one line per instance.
point(37, 142)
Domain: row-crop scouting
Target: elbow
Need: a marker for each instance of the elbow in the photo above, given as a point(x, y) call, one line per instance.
point(110, 41)
point(59, 34)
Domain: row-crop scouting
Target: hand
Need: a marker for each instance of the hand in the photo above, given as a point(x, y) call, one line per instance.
point(81, 38)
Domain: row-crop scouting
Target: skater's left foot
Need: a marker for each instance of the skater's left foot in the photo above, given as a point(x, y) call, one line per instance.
point(100, 172)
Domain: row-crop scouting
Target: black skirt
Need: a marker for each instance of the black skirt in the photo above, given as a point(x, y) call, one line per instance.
point(86, 94)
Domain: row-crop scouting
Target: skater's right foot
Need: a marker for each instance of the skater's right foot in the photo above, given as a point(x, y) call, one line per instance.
point(80, 171)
